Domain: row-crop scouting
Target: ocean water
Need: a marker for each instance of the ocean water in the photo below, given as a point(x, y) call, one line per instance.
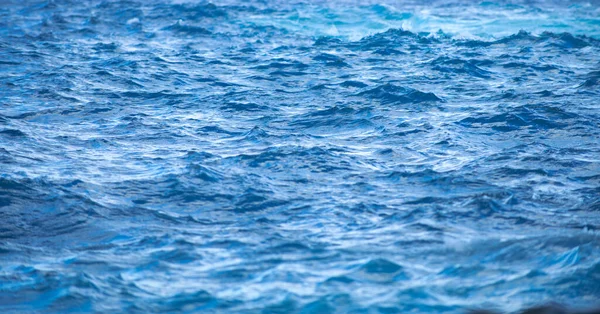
point(298, 156)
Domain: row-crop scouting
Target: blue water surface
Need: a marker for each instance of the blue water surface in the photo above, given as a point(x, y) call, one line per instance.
point(298, 156)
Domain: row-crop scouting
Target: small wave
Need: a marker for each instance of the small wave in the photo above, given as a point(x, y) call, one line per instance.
point(190, 30)
point(392, 94)
point(592, 79)
point(12, 133)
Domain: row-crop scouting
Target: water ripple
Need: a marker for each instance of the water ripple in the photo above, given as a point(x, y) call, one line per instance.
point(321, 157)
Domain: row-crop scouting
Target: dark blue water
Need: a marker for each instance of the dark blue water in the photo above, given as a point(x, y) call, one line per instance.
point(298, 157)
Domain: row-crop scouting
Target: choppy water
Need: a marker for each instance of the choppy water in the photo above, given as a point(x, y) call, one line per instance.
point(289, 157)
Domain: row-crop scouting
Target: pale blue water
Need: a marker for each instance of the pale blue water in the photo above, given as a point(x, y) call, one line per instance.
point(298, 157)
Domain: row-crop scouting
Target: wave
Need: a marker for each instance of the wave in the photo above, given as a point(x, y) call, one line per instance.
point(392, 94)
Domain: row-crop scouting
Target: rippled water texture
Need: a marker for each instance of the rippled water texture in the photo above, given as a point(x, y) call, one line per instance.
point(285, 157)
